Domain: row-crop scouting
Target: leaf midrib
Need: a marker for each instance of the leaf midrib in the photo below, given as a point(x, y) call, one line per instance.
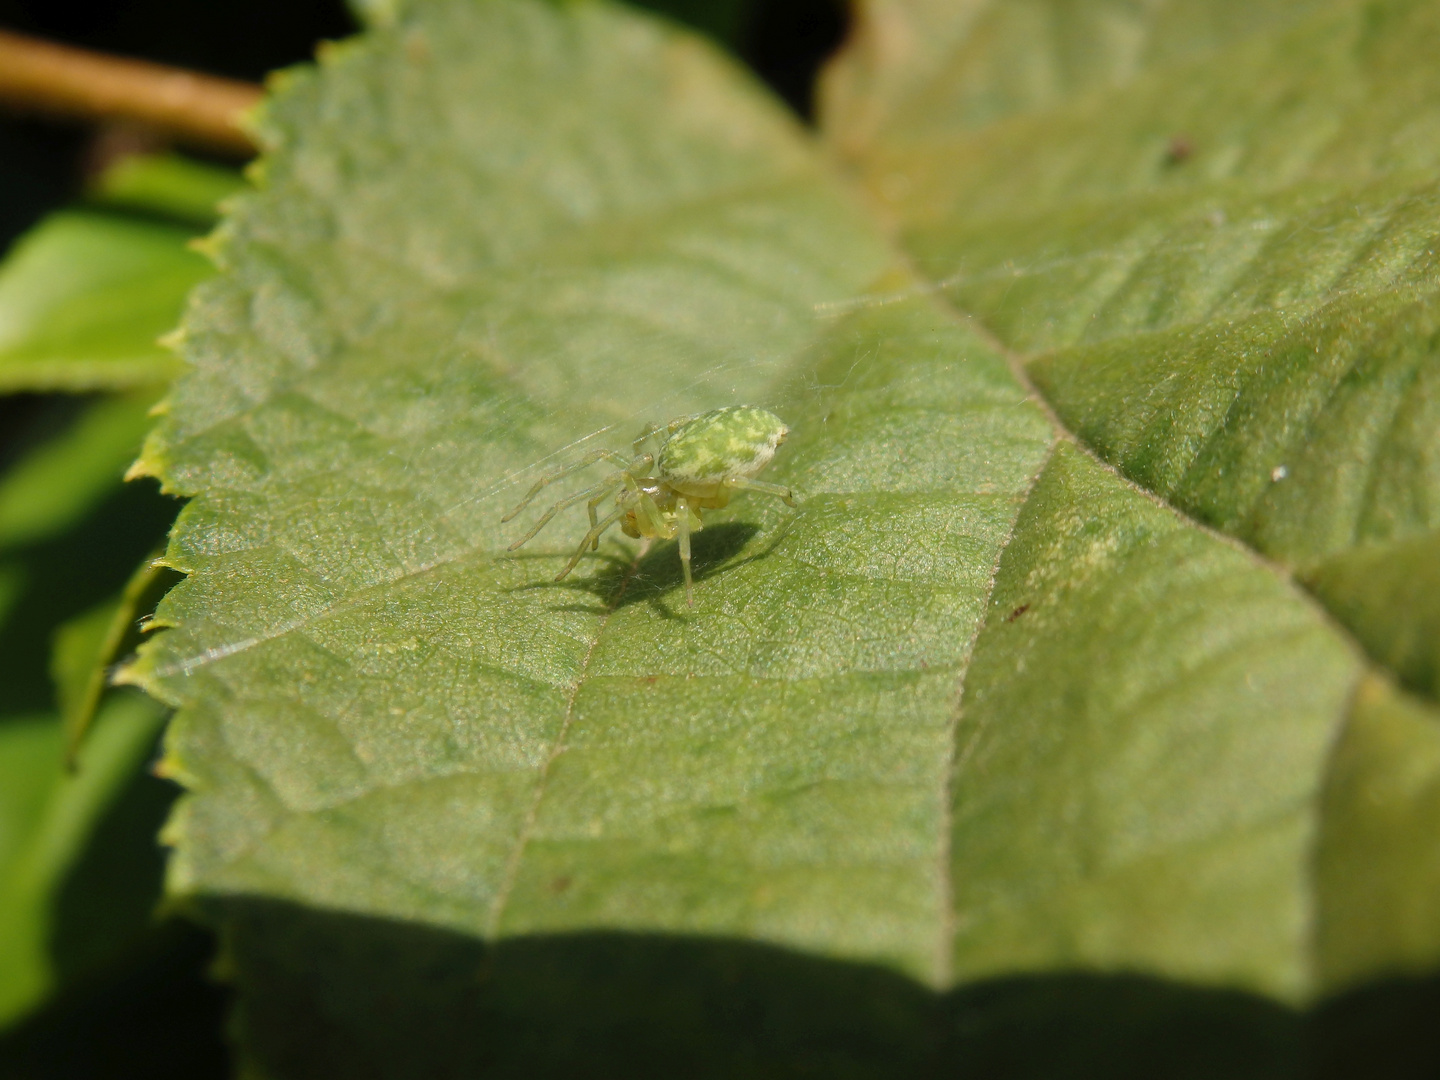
point(527, 827)
point(1016, 363)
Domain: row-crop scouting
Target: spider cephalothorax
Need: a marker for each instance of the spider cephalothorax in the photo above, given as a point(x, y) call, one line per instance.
point(700, 461)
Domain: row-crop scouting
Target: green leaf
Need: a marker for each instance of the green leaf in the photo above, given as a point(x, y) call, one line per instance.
point(1379, 852)
point(84, 296)
point(86, 646)
point(1206, 232)
point(83, 646)
point(169, 185)
point(70, 531)
point(984, 708)
point(1248, 332)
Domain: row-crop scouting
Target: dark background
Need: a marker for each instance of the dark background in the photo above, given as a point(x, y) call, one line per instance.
point(42, 164)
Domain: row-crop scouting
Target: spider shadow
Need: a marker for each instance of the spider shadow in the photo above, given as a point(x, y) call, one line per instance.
point(619, 582)
point(658, 574)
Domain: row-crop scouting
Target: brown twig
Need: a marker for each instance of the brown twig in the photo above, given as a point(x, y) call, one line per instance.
point(201, 110)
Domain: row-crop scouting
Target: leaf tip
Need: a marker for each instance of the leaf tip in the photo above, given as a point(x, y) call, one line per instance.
point(167, 768)
point(129, 674)
point(254, 174)
point(209, 245)
point(171, 341)
point(140, 468)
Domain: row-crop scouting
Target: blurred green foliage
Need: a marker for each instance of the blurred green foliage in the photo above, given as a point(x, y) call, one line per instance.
point(83, 297)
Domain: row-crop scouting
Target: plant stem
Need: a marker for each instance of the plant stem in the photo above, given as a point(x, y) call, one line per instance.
point(201, 110)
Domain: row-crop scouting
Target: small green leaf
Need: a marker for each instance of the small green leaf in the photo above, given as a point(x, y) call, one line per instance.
point(77, 665)
point(79, 868)
point(187, 191)
point(86, 646)
point(84, 296)
point(375, 12)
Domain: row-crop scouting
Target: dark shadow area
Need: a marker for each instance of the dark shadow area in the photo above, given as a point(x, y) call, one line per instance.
point(136, 1001)
point(160, 1020)
point(787, 41)
point(1390, 1030)
point(658, 575)
point(38, 172)
point(28, 421)
point(106, 905)
point(243, 41)
point(1118, 1026)
point(343, 995)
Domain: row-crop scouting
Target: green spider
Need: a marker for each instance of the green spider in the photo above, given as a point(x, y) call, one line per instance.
point(698, 463)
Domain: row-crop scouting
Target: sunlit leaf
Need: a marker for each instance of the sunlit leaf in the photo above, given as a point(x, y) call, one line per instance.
point(1206, 232)
point(988, 704)
point(1379, 865)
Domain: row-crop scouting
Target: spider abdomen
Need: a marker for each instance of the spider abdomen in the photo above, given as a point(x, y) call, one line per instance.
point(734, 442)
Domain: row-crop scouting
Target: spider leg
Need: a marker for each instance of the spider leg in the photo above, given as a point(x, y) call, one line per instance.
point(575, 466)
point(740, 483)
point(682, 526)
point(653, 515)
point(591, 537)
point(594, 518)
point(599, 491)
point(650, 430)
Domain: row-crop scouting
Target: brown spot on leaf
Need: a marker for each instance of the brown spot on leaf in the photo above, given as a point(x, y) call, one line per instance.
point(1179, 149)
